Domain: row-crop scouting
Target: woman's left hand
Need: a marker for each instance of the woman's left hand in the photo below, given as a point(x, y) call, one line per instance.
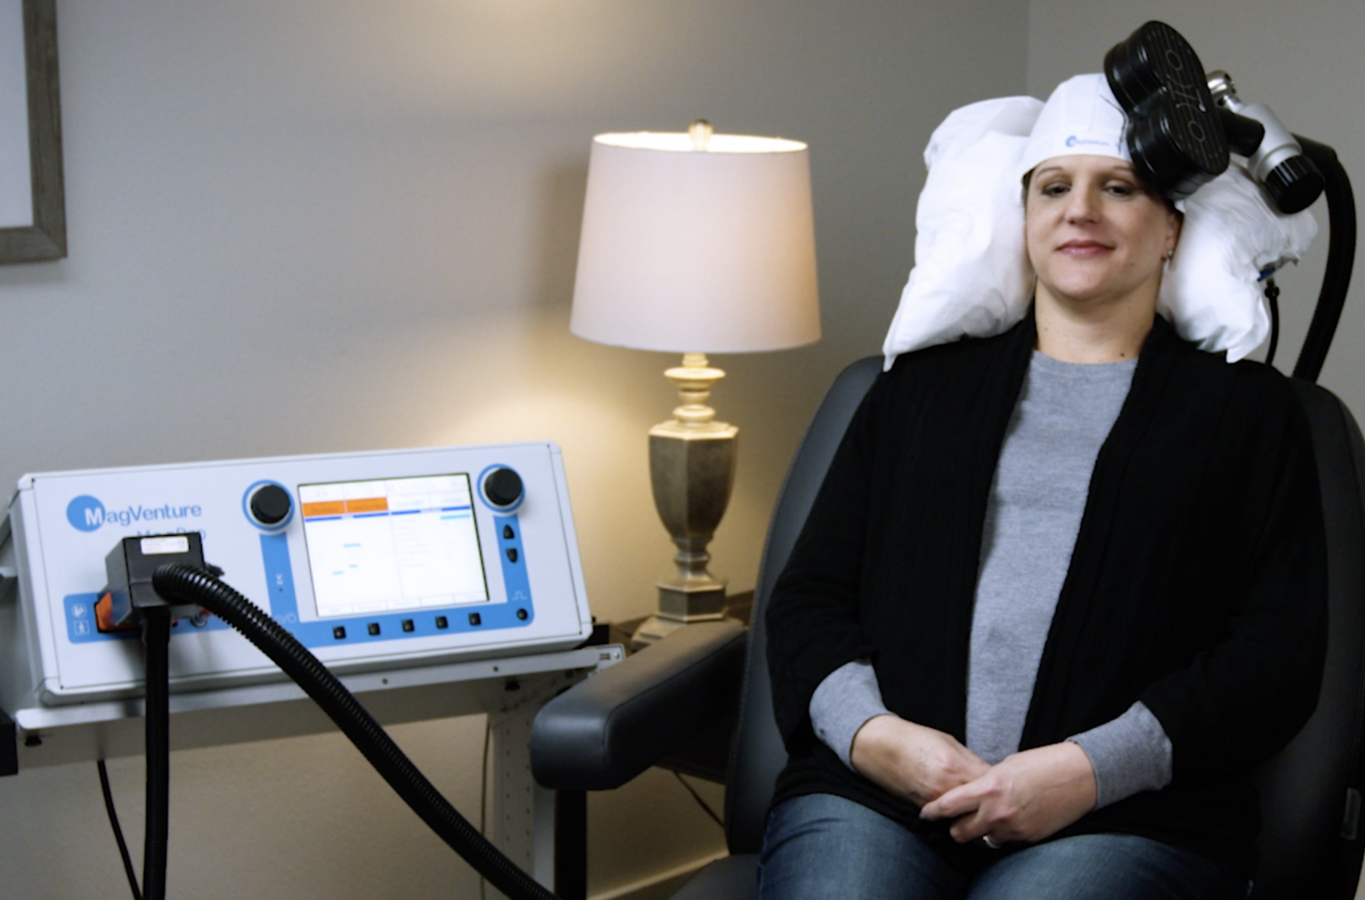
point(1025, 797)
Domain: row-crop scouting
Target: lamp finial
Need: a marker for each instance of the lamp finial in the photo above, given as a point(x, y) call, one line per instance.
point(700, 131)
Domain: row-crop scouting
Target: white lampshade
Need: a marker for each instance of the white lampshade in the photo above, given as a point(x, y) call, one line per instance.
point(686, 250)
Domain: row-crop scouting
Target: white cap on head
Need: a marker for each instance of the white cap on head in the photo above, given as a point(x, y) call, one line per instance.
point(1080, 118)
point(971, 276)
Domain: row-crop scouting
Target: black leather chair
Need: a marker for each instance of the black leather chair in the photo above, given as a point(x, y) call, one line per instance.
point(608, 729)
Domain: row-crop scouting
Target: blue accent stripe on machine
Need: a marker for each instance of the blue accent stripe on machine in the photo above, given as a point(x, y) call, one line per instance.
point(514, 573)
point(279, 580)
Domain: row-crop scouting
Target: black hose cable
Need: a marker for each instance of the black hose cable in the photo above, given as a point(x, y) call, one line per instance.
point(118, 829)
point(181, 583)
point(156, 637)
point(1341, 254)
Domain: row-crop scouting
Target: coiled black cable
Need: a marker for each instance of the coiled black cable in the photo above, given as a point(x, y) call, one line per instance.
point(186, 584)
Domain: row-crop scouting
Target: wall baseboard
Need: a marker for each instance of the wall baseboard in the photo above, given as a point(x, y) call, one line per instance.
point(659, 885)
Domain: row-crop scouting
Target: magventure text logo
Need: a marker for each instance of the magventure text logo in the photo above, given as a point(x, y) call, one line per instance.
point(87, 513)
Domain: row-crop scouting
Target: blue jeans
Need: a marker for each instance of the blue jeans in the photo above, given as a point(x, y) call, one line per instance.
point(820, 846)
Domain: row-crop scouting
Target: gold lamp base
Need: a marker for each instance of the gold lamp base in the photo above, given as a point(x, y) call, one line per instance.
point(692, 471)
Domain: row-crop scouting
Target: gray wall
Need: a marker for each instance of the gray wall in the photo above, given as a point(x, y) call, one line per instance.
point(302, 226)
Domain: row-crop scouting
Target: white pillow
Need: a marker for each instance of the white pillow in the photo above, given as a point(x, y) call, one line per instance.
point(972, 278)
point(1211, 291)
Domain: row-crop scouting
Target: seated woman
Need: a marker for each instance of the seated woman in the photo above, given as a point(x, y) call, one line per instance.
point(1062, 590)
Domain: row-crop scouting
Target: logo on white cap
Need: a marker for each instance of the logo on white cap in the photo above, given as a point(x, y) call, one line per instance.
point(1074, 141)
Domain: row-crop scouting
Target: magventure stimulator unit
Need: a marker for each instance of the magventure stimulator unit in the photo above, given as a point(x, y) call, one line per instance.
point(372, 560)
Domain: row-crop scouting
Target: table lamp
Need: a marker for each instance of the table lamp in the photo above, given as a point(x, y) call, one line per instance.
point(695, 243)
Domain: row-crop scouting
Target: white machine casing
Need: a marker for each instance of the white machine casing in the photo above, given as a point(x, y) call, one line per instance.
point(385, 531)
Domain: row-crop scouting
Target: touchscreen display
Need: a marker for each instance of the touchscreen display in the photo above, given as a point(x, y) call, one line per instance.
point(393, 544)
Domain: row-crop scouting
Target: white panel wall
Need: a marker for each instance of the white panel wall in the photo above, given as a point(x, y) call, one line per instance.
point(303, 226)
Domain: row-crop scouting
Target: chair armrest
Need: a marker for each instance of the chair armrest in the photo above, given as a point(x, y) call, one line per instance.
point(603, 732)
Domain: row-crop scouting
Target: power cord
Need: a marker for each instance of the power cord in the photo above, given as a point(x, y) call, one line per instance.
point(118, 830)
point(483, 796)
point(706, 807)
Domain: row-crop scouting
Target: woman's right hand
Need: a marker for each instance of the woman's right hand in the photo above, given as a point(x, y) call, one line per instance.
point(912, 761)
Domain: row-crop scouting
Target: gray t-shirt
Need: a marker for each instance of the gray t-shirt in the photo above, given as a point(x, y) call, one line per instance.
point(1064, 413)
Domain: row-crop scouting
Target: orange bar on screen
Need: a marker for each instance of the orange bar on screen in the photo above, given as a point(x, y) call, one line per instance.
point(323, 508)
point(368, 504)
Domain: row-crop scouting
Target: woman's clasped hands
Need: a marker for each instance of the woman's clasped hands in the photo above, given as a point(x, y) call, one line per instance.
point(1026, 797)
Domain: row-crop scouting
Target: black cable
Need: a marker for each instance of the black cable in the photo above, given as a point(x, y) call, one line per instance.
point(156, 637)
point(118, 829)
point(1272, 296)
point(483, 794)
point(706, 807)
point(1341, 252)
point(191, 585)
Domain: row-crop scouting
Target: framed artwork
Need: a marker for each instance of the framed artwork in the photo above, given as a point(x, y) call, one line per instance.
point(32, 198)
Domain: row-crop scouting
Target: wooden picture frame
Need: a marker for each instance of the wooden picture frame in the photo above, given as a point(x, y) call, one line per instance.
point(35, 111)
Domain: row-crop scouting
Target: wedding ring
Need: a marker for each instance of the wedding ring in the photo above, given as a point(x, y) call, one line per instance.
point(986, 839)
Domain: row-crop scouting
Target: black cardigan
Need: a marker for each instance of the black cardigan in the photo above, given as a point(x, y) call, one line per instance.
point(1197, 584)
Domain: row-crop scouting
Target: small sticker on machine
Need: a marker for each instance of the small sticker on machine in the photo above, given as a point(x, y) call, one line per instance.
point(156, 546)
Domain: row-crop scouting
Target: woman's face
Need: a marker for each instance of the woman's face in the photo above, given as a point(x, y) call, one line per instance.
point(1095, 234)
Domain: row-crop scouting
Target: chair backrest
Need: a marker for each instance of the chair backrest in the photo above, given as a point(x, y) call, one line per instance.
point(758, 755)
point(1311, 838)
